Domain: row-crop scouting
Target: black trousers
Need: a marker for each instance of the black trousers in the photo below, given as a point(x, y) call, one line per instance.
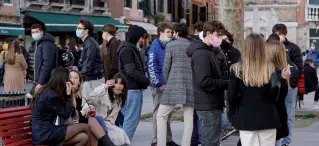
point(316, 98)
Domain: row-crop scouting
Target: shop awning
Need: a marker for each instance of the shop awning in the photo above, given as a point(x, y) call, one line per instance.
point(149, 27)
point(7, 30)
point(59, 22)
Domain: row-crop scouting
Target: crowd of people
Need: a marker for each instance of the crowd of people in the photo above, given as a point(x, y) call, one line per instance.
point(98, 101)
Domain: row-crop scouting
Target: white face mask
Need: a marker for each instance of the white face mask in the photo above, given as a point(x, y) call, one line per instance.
point(282, 38)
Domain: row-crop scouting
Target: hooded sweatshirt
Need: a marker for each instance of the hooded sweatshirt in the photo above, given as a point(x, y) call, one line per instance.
point(208, 82)
point(130, 61)
point(45, 58)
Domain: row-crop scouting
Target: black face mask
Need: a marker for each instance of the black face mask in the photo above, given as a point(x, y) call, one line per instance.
point(225, 45)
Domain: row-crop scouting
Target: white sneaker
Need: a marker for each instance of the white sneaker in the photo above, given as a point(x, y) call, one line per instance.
point(315, 106)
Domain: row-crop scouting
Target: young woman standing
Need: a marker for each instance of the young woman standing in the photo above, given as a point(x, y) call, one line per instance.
point(255, 79)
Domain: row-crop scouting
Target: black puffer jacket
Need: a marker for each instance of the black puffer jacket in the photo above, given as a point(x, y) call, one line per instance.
point(294, 54)
point(130, 61)
point(208, 81)
point(91, 62)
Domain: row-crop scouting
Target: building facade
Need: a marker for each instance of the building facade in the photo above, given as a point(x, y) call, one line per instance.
point(61, 17)
point(308, 23)
point(261, 15)
point(10, 24)
point(133, 12)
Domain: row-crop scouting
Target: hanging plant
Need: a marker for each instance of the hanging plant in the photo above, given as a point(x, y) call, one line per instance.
point(159, 17)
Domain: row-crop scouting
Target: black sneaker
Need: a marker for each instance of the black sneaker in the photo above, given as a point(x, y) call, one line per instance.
point(154, 144)
point(284, 145)
point(228, 133)
point(172, 143)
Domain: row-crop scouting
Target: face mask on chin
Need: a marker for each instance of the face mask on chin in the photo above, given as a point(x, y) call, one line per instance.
point(166, 39)
point(282, 38)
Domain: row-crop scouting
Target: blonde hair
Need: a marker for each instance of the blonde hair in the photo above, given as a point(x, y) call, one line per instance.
point(78, 92)
point(276, 53)
point(254, 68)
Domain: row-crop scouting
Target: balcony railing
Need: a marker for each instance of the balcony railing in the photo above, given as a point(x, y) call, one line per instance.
point(312, 13)
point(57, 1)
point(39, 1)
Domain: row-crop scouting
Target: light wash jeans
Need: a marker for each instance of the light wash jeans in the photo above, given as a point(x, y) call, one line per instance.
point(101, 121)
point(290, 105)
point(132, 111)
point(225, 123)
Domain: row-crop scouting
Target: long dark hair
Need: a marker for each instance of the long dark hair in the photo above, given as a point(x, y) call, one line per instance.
point(59, 76)
point(123, 95)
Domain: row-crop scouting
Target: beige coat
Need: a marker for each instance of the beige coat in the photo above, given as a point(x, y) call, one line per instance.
point(14, 78)
point(99, 98)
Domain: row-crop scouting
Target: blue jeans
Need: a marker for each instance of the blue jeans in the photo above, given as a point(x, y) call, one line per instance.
point(290, 105)
point(278, 143)
point(225, 123)
point(132, 111)
point(211, 126)
point(197, 131)
point(101, 121)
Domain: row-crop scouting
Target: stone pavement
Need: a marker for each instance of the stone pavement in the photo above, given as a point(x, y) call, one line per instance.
point(308, 136)
point(309, 101)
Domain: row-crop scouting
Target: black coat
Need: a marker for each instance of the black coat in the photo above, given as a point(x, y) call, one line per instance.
point(294, 54)
point(208, 83)
point(48, 107)
point(91, 62)
point(256, 108)
point(45, 59)
point(283, 130)
point(130, 61)
point(311, 79)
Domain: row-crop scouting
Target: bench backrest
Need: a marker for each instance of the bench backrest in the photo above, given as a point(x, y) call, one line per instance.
point(15, 128)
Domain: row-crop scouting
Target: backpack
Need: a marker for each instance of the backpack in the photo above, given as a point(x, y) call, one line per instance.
point(64, 58)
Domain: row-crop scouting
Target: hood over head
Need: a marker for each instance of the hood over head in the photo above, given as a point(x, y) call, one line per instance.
point(196, 45)
point(134, 34)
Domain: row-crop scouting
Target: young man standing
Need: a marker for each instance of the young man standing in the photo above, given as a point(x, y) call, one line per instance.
point(208, 82)
point(131, 65)
point(294, 54)
point(90, 63)
point(45, 56)
point(156, 54)
point(109, 50)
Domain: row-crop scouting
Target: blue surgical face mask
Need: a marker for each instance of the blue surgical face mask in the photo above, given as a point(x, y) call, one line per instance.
point(36, 36)
point(79, 33)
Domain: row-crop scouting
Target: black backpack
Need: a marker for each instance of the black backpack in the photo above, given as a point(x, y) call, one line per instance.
point(64, 58)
